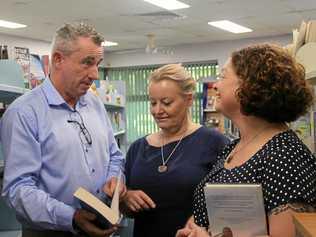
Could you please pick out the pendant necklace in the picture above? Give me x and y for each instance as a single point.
(163, 167)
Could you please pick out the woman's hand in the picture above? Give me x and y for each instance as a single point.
(137, 200)
(192, 230)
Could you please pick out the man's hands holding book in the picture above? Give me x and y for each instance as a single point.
(84, 221)
(101, 220)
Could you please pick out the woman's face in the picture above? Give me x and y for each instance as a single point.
(226, 100)
(168, 104)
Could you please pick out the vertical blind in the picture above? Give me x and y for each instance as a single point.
(139, 119)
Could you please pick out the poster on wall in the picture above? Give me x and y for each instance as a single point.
(22, 57)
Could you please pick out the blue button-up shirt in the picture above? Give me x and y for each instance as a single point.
(47, 157)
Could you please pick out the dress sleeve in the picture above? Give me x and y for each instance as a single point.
(288, 178)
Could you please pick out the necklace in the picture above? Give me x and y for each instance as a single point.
(163, 167)
(235, 151)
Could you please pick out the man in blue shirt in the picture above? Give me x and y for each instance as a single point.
(58, 137)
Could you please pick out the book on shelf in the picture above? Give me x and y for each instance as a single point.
(235, 209)
(107, 213)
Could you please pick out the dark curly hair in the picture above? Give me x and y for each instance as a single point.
(272, 84)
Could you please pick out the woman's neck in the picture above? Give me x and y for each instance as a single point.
(175, 132)
(249, 126)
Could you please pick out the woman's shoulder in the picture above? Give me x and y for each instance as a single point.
(212, 135)
(138, 143)
(289, 146)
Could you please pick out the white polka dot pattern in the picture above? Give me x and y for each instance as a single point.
(284, 167)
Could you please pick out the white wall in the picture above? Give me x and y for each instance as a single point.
(189, 53)
(182, 53)
(36, 46)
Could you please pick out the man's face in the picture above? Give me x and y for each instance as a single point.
(80, 69)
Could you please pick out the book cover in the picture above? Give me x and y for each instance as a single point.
(236, 210)
(107, 215)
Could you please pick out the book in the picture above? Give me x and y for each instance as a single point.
(235, 210)
(104, 212)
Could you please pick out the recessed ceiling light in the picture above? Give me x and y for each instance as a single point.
(11, 25)
(109, 43)
(230, 26)
(168, 4)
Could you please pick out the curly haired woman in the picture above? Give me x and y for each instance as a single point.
(261, 89)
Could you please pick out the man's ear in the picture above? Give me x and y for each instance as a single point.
(57, 59)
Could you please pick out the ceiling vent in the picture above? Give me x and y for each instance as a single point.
(160, 17)
(166, 14)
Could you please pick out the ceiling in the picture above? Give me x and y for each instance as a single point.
(129, 21)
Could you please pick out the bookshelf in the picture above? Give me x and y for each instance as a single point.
(11, 87)
(305, 125)
(211, 117)
(11, 81)
(112, 93)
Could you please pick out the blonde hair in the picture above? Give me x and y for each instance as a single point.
(175, 72)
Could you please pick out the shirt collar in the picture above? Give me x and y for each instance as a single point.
(53, 96)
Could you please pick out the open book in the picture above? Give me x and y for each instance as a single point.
(235, 210)
(111, 214)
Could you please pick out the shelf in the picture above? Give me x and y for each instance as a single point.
(311, 77)
(306, 56)
(113, 106)
(210, 79)
(210, 111)
(118, 133)
(9, 93)
(11, 81)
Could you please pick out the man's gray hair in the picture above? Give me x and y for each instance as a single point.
(66, 36)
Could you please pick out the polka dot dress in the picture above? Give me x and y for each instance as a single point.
(284, 167)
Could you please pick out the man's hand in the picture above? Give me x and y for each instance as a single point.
(110, 186)
(137, 200)
(84, 220)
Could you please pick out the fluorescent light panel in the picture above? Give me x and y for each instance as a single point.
(230, 26)
(168, 4)
(109, 43)
(11, 25)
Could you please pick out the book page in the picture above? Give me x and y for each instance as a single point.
(112, 214)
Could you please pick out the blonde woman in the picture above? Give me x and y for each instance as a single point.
(163, 168)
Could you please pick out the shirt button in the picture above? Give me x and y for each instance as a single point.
(93, 170)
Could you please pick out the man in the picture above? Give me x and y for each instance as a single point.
(57, 138)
